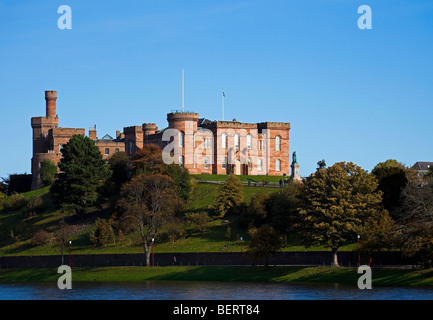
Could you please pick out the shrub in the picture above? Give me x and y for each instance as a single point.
(199, 220)
(48, 172)
(34, 206)
(16, 202)
(102, 233)
(40, 238)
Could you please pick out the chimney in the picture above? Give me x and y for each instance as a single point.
(92, 133)
(117, 134)
(50, 98)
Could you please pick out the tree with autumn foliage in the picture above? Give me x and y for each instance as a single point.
(148, 202)
(335, 203)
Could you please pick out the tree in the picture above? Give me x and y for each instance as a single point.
(321, 164)
(415, 220)
(148, 160)
(230, 195)
(83, 172)
(335, 202)
(119, 165)
(379, 234)
(392, 178)
(282, 207)
(264, 242)
(48, 172)
(182, 180)
(148, 202)
(62, 236)
(254, 215)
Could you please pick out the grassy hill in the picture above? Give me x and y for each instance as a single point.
(213, 239)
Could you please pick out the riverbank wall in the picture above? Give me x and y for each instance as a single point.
(300, 258)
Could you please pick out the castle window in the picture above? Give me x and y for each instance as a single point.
(236, 141)
(116, 150)
(278, 165)
(224, 164)
(259, 164)
(224, 141)
(60, 148)
(250, 164)
(193, 138)
(181, 161)
(130, 147)
(107, 151)
(260, 144)
(278, 143)
(249, 142)
(206, 163)
(182, 139)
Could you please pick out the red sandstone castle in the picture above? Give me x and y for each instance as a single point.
(200, 145)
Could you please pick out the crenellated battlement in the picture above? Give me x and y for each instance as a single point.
(132, 129)
(67, 131)
(182, 116)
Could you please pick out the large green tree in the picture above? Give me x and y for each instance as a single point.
(391, 176)
(83, 172)
(335, 203)
(230, 195)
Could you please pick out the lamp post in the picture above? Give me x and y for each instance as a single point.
(153, 252)
(242, 255)
(359, 255)
(70, 257)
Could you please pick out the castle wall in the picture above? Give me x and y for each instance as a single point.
(199, 143)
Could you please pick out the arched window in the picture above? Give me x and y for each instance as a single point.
(249, 142)
(224, 141)
(224, 163)
(278, 165)
(182, 139)
(181, 161)
(277, 143)
(236, 141)
(250, 164)
(259, 164)
(206, 163)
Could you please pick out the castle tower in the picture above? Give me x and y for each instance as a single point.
(41, 126)
(50, 100)
(186, 124)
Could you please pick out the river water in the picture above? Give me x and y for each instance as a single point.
(168, 290)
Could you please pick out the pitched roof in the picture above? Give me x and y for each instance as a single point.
(420, 165)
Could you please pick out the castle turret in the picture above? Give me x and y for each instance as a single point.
(50, 98)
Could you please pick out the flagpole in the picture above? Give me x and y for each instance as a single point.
(223, 104)
(183, 91)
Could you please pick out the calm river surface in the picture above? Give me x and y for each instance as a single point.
(167, 290)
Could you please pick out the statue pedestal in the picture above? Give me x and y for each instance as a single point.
(295, 172)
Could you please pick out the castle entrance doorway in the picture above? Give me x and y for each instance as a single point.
(237, 167)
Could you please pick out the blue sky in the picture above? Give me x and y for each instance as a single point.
(350, 95)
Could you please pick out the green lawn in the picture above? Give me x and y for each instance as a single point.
(213, 239)
(349, 276)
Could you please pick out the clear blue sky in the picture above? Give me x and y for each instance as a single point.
(350, 95)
